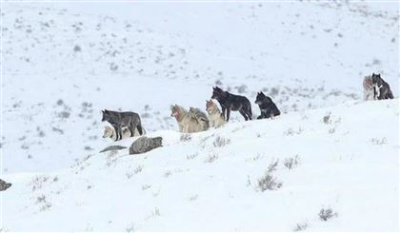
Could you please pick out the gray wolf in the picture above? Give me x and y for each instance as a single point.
(214, 114)
(4, 185)
(267, 106)
(230, 102)
(382, 88)
(145, 144)
(201, 118)
(119, 120)
(187, 122)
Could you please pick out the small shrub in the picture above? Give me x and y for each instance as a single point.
(268, 182)
(327, 118)
(185, 137)
(138, 169)
(192, 156)
(377, 141)
(272, 166)
(211, 158)
(325, 214)
(301, 227)
(221, 142)
(291, 162)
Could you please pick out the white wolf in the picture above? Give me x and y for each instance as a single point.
(109, 132)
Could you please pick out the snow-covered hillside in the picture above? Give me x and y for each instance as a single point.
(339, 159)
(63, 63)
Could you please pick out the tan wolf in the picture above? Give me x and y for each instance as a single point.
(187, 122)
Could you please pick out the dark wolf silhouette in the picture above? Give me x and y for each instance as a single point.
(382, 89)
(119, 120)
(4, 185)
(230, 102)
(267, 106)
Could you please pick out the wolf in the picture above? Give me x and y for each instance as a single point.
(230, 102)
(382, 88)
(201, 117)
(214, 114)
(4, 185)
(118, 120)
(109, 132)
(267, 106)
(145, 144)
(369, 88)
(186, 121)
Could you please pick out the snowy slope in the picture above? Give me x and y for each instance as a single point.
(345, 162)
(63, 63)
(145, 57)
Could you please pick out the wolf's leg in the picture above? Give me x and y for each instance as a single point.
(116, 128)
(223, 111)
(249, 113)
(228, 114)
(243, 113)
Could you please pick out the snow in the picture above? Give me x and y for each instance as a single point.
(64, 63)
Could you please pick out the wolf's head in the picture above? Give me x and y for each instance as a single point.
(176, 112)
(217, 93)
(209, 105)
(158, 141)
(106, 115)
(376, 78)
(261, 98)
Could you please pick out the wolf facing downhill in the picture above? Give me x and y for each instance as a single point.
(230, 102)
(201, 118)
(382, 88)
(145, 144)
(214, 114)
(119, 120)
(267, 106)
(187, 122)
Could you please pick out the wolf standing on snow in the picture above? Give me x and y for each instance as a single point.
(119, 120)
(230, 102)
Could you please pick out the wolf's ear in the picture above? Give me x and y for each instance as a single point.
(379, 75)
(262, 93)
(102, 111)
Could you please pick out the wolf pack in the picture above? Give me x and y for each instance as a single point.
(129, 124)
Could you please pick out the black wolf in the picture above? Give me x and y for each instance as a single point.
(382, 88)
(267, 106)
(230, 102)
(119, 120)
(4, 185)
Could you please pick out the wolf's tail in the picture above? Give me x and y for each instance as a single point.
(140, 129)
